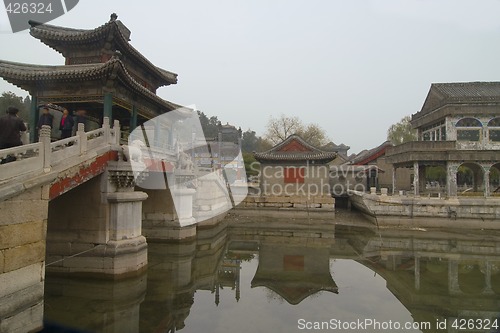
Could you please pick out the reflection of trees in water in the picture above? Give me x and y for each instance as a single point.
(470, 278)
(240, 256)
(495, 281)
(434, 275)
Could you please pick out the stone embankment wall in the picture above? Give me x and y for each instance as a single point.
(430, 212)
(23, 226)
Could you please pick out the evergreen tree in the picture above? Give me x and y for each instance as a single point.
(401, 132)
(8, 98)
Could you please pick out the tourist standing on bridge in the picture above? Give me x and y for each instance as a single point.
(46, 118)
(66, 125)
(11, 127)
(81, 118)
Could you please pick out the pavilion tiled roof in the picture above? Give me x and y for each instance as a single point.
(59, 38)
(26, 75)
(295, 149)
(441, 94)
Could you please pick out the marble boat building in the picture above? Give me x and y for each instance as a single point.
(455, 162)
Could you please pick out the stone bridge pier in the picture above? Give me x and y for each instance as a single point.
(66, 207)
(96, 228)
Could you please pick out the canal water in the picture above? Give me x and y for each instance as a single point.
(343, 275)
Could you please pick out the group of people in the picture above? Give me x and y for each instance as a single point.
(65, 125)
(11, 126)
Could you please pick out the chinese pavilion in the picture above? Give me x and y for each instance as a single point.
(294, 168)
(103, 74)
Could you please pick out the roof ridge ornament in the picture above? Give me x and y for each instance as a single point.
(113, 17)
(117, 54)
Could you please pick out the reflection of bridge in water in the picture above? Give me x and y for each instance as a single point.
(435, 275)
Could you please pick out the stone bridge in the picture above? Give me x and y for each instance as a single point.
(71, 206)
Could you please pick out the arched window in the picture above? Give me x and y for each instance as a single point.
(494, 129)
(469, 129)
(469, 122)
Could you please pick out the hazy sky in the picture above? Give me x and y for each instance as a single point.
(353, 67)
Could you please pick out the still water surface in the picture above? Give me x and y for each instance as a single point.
(338, 276)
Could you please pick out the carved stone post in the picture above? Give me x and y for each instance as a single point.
(117, 132)
(106, 128)
(127, 247)
(45, 140)
(82, 138)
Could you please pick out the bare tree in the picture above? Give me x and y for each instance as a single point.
(278, 129)
(401, 132)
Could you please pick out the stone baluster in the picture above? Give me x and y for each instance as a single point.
(106, 129)
(116, 128)
(82, 138)
(46, 149)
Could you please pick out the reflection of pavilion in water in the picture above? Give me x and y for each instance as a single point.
(435, 275)
(294, 273)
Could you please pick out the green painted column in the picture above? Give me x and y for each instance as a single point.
(33, 119)
(108, 106)
(133, 119)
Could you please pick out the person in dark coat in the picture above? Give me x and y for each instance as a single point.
(11, 127)
(66, 125)
(46, 118)
(81, 118)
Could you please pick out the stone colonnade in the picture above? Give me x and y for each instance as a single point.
(451, 176)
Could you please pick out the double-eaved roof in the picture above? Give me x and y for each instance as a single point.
(28, 75)
(295, 149)
(67, 40)
(441, 94)
(99, 60)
